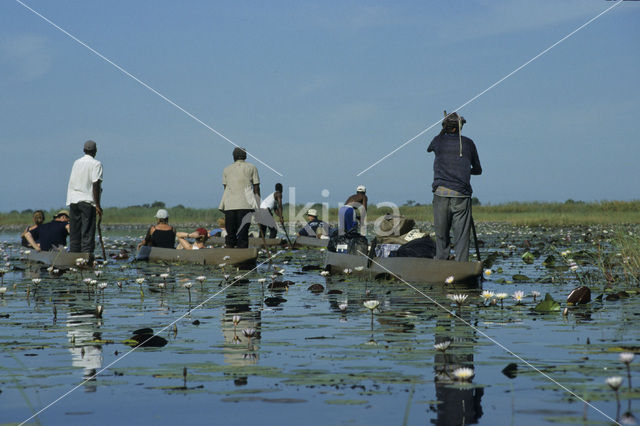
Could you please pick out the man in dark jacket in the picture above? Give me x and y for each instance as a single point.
(456, 160)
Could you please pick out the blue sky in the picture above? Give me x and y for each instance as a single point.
(319, 91)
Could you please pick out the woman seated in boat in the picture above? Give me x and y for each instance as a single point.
(38, 219)
(161, 234)
(200, 235)
(52, 235)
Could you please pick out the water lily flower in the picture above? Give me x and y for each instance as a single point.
(535, 294)
(442, 346)
(102, 286)
(501, 297)
(359, 268)
(343, 306)
(614, 382)
(27, 252)
(226, 277)
(87, 281)
(565, 253)
(487, 272)
(36, 281)
(458, 298)
(3, 290)
(487, 294)
(262, 280)
(518, 295)
(201, 279)
(119, 284)
(222, 265)
(161, 285)
(80, 261)
(236, 320)
(98, 273)
(371, 304)
(347, 271)
(249, 332)
(463, 374)
(627, 357)
(140, 280)
(188, 285)
(325, 273)
(164, 276)
(449, 279)
(93, 282)
(226, 258)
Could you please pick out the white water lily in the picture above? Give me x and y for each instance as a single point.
(249, 332)
(188, 285)
(87, 281)
(3, 290)
(486, 294)
(359, 268)
(449, 279)
(98, 273)
(36, 281)
(93, 282)
(371, 304)
(140, 280)
(102, 286)
(487, 272)
(226, 258)
(518, 295)
(535, 294)
(27, 252)
(442, 346)
(119, 284)
(463, 374)
(347, 271)
(262, 280)
(565, 253)
(226, 277)
(236, 319)
(501, 295)
(222, 265)
(201, 278)
(614, 382)
(325, 273)
(80, 261)
(343, 306)
(161, 285)
(164, 276)
(458, 298)
(627, 357)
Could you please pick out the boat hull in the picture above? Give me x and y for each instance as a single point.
(311, 242)
(253, 242)
(410, 269)
(210, 256)
(56, 258)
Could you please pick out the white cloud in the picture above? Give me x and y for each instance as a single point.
(28, 55)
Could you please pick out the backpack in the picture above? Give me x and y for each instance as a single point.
(420, 247)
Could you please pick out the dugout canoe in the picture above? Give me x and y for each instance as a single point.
(56, 258)
(253, 242)
(208, 256)
(410, 269)
(302, 241)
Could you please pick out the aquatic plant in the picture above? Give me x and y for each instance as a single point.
(501, 297)
(442, 346)
(343, 306)
(371, 305)
(359, 268)
(347, 271)
(518, 296)
(614, 383)
(486, 295)
(463, 374)
(188, 285)
(535, 294)
(236, 320)
(627, 358)
(3, 290)
(449, 279)
(458, 299)
(140, 281)
(325, 273)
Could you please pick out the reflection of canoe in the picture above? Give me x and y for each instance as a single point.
(410, 269)
(310, 242)
(253, 242)
(211, 256)
(56, 258)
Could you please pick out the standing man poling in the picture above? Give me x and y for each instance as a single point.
(456, 160)
(241, 192)
(272, 204)
(83, 197)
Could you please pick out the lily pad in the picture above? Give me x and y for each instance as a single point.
(528, 257)
(547, 305)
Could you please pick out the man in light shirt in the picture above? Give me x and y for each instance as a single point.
(83, 198)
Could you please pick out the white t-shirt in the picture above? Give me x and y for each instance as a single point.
(85, 172)
(269, 202)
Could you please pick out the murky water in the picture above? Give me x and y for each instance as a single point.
(309, 361)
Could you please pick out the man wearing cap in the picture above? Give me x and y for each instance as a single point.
(314, 227)
(52, 234)
(83, 197)
(456, 160)
(161, 234)
(241, 191)
(359, 202)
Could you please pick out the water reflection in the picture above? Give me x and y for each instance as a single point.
(240, 348)
(81, 332)
(459, 403)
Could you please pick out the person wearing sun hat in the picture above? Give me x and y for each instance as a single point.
(83, 198)
(52, 234)
(200, 235)
(314, 227)
(161, 234)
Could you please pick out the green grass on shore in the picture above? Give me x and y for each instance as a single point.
(516, 213)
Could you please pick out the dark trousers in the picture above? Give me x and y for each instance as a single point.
(452, 214)
(272, 231)
(237, 229)
(82, 224)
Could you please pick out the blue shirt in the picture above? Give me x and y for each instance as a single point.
(450, 169)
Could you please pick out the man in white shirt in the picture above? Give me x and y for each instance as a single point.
(83, 198)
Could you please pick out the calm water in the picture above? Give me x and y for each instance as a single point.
(313, 363)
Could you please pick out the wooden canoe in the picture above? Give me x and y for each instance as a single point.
(311, 242)
(410, 269)
(56, 258)
(253, 242)
(209, 256)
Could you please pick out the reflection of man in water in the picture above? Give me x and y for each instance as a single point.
(457, 405)
(238, 349)
(81, 326)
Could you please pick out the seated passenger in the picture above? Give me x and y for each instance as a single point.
(314, 227)
(38, 219)
(219, 231)
(160, 235)
(201, 236)
(53, 235)
(347, 239)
